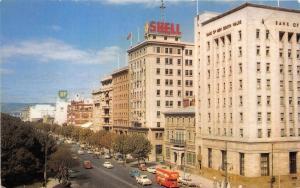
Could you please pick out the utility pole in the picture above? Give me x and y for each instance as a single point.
(45, 165)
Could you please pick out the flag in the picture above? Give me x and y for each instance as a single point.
(129, 36)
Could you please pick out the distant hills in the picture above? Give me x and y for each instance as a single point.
(16, 108)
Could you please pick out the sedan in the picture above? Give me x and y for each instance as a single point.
(107, 165)
(151, 169)
(144, 180)
(80, 152)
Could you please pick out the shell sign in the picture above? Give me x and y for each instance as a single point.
(162, 28)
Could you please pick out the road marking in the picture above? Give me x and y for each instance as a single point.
(115, 177)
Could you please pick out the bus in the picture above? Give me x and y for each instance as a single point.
(167, 178)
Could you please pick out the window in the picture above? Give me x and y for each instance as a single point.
(267, 34)
(289, 53)
(158, 103)
(268, 84)
(267, 67)
(158, 114)
(158, 92)
(166, 50)
(241, 117)
(165, 38)
(240, 67)
(179, 103)
(281, 69)
(258, 67)
(242, 164)
(282, 132)
(280, 52)
(241, 84)
(157, 81)
(264, 164)
(259, 133)
(208, 45)
(290, 68)
(281, 84)
(259, 100)
(282, 101)
(293, 162)
(158, 60)
(269, 133)
(209, 157)
(291, 101)
(298, 54)
(257, 50)
(241, 100)
(240, 35)
(290, 85)
(258, 116)
(178, 72)
(282, 117)
(268, 100)
(157, 124)
(241, 133)
(179, 82)
(158, 71)
(257, 33)
(291, 117)
(268, 116)
(178, 51)
(240, 51)
(268, 51)
(178, 61)
(224, 159)
(157, 49)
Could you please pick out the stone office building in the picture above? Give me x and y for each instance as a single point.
(161, 79)
(248, 100)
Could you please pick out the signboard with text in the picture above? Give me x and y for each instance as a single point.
(162, 28)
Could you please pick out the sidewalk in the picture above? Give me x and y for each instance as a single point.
(199, 180)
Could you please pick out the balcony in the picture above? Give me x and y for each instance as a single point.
(178, 142)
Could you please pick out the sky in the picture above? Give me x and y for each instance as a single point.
(49, 45)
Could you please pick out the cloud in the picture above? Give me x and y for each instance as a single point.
(51, 50)
(4, 71)
(55, 28)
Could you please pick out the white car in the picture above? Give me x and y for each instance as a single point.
(151, 169)
(106, 156)
(89, 152)
(107, 165)
(144, 180)
(80, 152)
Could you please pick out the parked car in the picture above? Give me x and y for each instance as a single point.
(107, 165)
(151, 169)
(134, 173)
(80, 152)
(107, 156)
(186, 181)
(120, 160)
(144, 180)
(89, 152)
(87, 164)
(142, 167)
(73, 173)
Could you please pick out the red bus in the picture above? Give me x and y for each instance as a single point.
(167, 178)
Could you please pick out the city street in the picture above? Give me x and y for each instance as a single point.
(99, 176)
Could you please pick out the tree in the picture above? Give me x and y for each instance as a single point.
(61, 161)
(140, 146)
(107, 140)
(122, 145)
(22, 151)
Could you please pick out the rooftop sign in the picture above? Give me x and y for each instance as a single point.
(163, 28)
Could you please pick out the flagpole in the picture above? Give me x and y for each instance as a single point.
(278, 3)
(197, 7)
(138, 32)
(131, 39)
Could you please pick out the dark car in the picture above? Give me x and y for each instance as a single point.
(134, 173)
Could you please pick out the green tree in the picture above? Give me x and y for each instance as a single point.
(140, 146)
(122, 145)
(22, 151)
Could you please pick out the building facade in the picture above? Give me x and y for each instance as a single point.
(248, 99)
(61, 108)
(161, 79)
(97, 109)
(79, 112)
(180, 137)
(39, 111)
(120, 102)
(106, 106)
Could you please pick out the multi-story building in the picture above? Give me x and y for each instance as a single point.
(161, 78)
(179, 139)
(39, 111)
(79, 112)
(248, 99)
(61, 108)
(120, 102)
(97, 109)
(106, 103)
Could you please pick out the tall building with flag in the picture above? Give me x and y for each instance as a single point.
(161, 71)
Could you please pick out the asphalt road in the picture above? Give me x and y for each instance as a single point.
(100, 177)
